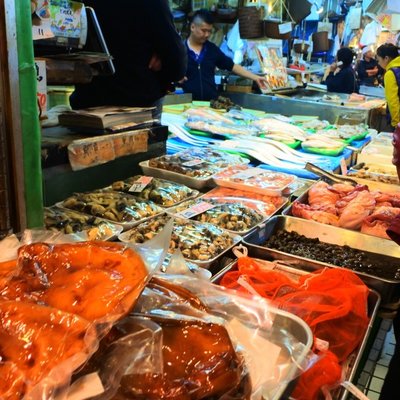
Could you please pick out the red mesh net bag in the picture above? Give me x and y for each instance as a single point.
(333, 302)
(334, 305)
(265, 282)
(326, 372)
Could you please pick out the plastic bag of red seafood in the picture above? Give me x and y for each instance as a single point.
(58, 297)
(204, 342)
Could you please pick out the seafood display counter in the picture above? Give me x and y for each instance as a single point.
(310, 105)
(60, 181)
(207, 198)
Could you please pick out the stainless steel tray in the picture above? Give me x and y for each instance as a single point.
(194, 183)
(383, 187)
(220, 200)
(355, 358)
(387, 288)
(194, 194)
(125, 225)
(123, 237)
(115, 229)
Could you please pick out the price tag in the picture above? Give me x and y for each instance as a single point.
(343, 166)
(42, 31)
(197, 209)
(140, 184)
(193, 163)
(249, 173)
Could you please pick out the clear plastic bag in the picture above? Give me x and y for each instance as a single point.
(210, 343)
(58, 297)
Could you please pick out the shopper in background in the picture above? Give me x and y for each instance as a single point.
(340, 76)
(368, 70)
(388, 58)
(147, 51)
(204, 57)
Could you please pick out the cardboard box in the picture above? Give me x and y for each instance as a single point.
(41, 78)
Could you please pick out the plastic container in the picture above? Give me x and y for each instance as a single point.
(58, 95)
(257, 180)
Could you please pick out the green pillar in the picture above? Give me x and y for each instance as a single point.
(31, 134)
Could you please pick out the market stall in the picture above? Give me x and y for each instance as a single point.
(235, 249)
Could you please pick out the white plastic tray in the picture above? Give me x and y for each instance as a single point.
(227, 182)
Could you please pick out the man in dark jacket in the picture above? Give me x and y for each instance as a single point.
(204, 57)
(340, 76)
(147, 51)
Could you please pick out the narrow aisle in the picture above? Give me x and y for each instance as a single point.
(375, 384)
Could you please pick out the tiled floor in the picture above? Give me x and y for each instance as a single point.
(375, 382)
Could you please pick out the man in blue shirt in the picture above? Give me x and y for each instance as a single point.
(204, 57)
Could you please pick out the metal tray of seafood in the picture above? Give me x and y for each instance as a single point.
(388, 182)
(354, 360)
(389, 289)
(124, 237)
(383, 187)
(194, 183)
(125, 225)
(298, 187)
(101, 229)
(191, 195)
(223, 201)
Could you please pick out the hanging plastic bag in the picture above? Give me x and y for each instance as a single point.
(208, 344)
(353, 19)
(58, 298)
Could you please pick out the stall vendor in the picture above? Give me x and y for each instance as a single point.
(147, 52)
(204, 57)
(368, 70)
(340, 77)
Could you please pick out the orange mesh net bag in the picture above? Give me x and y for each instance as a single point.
(333, 302)
(326, 372)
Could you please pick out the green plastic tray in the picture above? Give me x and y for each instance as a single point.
(324, 152)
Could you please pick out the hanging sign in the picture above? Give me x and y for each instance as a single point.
(66, 18)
